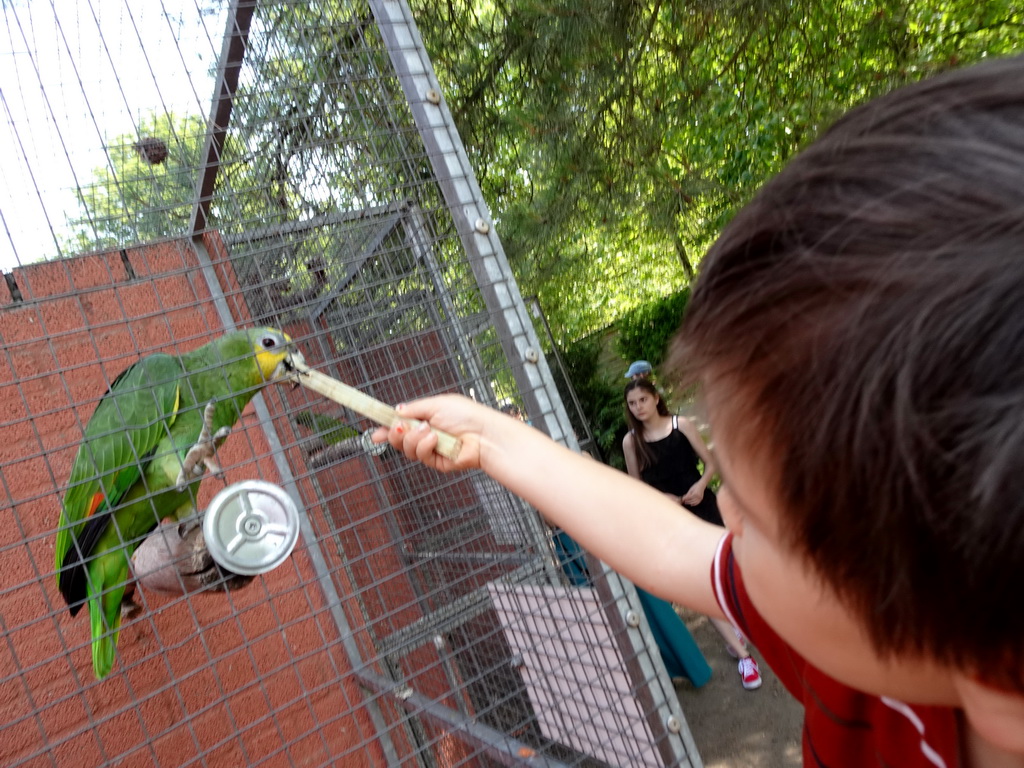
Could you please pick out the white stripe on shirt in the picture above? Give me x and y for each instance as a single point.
(926, 749)
(898, 706)
(716, 582)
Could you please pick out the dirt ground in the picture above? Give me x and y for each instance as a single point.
(735, 728)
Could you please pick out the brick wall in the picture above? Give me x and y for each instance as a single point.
(213, 679)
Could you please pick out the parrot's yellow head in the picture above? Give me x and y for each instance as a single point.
(272, 348)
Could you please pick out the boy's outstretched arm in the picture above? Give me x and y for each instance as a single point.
(632, 527)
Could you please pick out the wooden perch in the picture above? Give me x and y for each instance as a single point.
(323, 454)
(176, 564)
(447, 445)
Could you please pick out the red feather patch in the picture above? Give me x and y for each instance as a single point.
(95, 503)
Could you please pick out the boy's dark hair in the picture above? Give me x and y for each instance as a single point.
(644, 454)
(865, 316)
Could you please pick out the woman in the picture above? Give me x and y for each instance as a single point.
(662, 450)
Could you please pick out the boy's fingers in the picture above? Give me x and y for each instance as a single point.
(397, 437)
(408, 438)
(418, 409)
(426, 442)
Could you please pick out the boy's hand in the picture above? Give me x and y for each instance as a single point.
(457, 415)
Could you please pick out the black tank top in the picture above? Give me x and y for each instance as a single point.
(674, 470)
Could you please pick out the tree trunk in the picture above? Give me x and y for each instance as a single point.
(684, 257)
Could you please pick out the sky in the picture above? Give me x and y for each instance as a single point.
(76, 74)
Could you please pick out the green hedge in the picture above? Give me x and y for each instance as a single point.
(597, 363)
(644, 332)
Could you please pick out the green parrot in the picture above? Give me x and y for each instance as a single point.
(144, 453)
(328, 428)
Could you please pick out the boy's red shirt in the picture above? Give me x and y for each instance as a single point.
(842, 726)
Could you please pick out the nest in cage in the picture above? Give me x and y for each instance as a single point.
(151, 149)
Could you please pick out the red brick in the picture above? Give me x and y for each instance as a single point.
(61, 315)
(309, 750)
(67, 717)
(95, 271)
(249, 705)
(21, 324)
(228, 754)
(37, 643)
(184, 654)
(83, 749)
(171, 257)
(121, 734)
(234, 670)
(15, 710)
(176, 747)
(38, 281)
(212, 726)
(224, 637)
(105, 307)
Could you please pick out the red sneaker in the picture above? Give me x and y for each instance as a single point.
(749, 674)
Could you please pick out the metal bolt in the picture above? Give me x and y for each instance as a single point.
(251, 525)
(482, 226)
(433, 96)
(673, 724)
(632, 618)
(531, 355)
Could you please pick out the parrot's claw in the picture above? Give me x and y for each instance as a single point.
(203, 455)
(189, 524)
(200, 571)
(129, 609)
(175, 560)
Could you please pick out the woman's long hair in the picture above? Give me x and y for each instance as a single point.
(644, 454)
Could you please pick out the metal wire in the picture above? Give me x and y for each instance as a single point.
(178, 170)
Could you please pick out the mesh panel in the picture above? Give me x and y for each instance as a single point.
(175, 173)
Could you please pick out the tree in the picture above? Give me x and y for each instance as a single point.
(138, 197)
(614, 138)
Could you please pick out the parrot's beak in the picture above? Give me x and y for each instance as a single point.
(293, 363)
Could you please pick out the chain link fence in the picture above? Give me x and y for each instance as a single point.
(179, 171)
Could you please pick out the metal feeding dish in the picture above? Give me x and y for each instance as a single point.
(370, 447)
(251, 527)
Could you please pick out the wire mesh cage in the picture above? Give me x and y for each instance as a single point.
(175, 174)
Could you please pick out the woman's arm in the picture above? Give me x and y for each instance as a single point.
(629, 452)
(629, 525)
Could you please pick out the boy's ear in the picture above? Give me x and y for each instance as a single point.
(732, 520)
(996, 715)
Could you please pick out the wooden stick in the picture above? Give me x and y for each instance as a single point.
(350, 397)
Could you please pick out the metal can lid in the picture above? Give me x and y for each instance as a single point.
(251, 527)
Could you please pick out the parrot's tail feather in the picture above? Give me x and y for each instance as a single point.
(104, 643)
(105, 621)
(74, 571)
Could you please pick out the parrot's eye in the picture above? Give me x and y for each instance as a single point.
(268, 342)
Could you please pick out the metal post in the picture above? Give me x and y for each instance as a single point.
(231, 57)
(316, 557)
(517, 335)
(472, 219)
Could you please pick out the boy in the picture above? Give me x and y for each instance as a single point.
(858, 334)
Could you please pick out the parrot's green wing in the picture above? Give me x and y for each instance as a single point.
(126, 426)
(328, 428)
